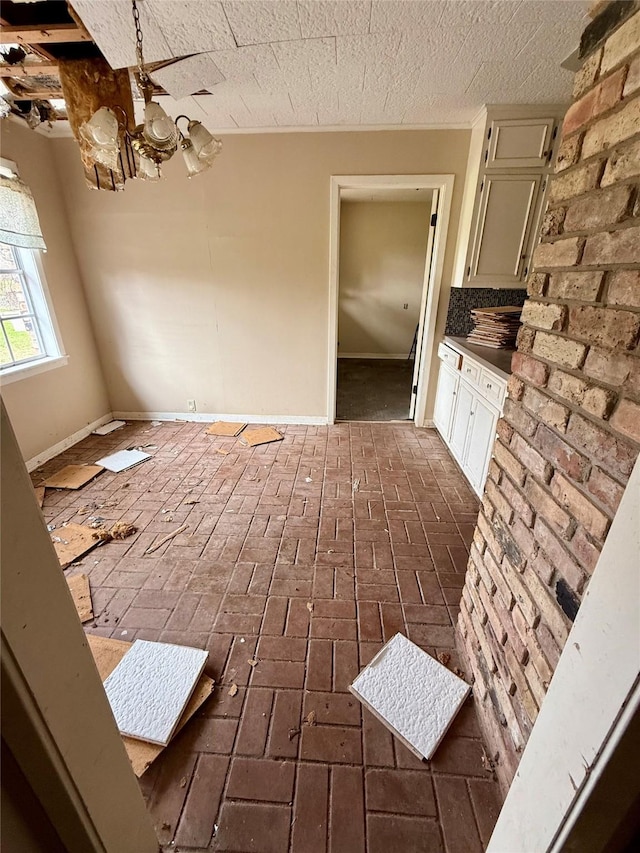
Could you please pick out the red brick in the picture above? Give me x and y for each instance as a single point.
(462, 756)
(560, 253)
(400, 792)
(456, 814)
(341, 709)
(606, 207)
(546, 506)
(378, 743)
(201, 808)
(563, 562)
(275, 615)
(597, 100)
(277, 673)
(319, 666)
(285, 721)
(261, 779)
(604, 326)
(595, 521)
(615, 456)
(167, 799)
(585, 551)
(626, 419)
(606, 490)
(612, 247)
(282, 648)
(346, 811)
(309, 831)
(253, 828)
(613, 129)
(560, 454)
(531, 369)
(530, 458)
(345, 665)
(297, 618)
(486, 801)
(624, 287)
(391, 834)
(252, 735)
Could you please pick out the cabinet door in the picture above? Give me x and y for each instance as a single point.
(461, 418)
(506, 215)
(482, 432)
(445, 398)
(519, 143)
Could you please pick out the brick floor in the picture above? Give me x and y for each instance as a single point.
(305, 555)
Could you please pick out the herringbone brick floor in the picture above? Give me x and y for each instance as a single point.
(305, 555)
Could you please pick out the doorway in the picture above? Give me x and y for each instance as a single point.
(387, 247)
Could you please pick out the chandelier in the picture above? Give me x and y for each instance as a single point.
(155, 140)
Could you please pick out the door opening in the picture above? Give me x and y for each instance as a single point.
(387, 241)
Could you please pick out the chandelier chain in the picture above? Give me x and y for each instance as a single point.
(139, 56)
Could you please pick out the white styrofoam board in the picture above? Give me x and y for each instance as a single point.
(189, 75)
(122, 460)
(110, 427)
(412, 693)
(150, 687)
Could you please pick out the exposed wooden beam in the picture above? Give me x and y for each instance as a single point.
(31, 69)
(54, 34)
(39, 95)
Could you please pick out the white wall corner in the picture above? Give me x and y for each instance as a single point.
(66, 443)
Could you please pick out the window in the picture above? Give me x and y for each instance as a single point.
(27, 329)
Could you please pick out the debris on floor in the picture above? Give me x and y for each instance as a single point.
(72, 541)
(150, 687)
(40, 490)
(105, 429)
(262, 435)
(225, 428)
(73, 476)
(81, 594)
(233, 690)
(165, 539)
(411, 693)
(123, 460)
(120, 530)
(107, 654)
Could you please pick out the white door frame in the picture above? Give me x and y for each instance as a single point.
(444, 185)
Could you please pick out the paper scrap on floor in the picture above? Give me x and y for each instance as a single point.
(71, 541)
(150, 688)
(107, 654)
(123, 459)
(105, 429)
(263, 435)
(81, 594)
(411, 693)
(73, 476)
(225, 428)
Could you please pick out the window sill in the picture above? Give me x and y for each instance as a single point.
(13, 374)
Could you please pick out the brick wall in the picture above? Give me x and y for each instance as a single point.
(571, 427)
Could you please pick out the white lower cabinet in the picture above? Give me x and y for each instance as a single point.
(466, 419)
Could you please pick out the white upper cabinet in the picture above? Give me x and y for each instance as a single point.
(504, 228)
(519, 143)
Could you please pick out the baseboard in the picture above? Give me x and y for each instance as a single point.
(385, 355)
(50, 452)
(202, 417)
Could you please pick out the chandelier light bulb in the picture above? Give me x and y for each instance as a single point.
(194, 164)
(205, 145)
(159, 130)
(147, 169)
(100, 133)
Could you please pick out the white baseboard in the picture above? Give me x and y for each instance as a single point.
(203, 417)
(397, 355)
(50, 452)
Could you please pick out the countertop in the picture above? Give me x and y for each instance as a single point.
(498, 360)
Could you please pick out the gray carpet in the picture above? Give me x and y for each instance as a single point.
(373, 389)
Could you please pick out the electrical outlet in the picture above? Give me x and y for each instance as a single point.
(191, 405)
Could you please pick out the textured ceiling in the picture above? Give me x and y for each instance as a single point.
(281, 63)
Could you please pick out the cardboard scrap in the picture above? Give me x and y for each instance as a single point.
(105, 429)
(81, 594)
(72, 541)
(107, 654)
(123, 460)
(225, 428)
(40, 490)
(73, 476)
(262, 435)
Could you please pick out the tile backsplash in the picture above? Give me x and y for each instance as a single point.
(463, 299)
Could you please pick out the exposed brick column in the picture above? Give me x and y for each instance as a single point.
(571, 427)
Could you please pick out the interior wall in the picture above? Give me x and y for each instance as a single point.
(382, 258)
(49, 407)
(216, 289)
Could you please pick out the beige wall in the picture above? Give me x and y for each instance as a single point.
(217, 288)
(382, 258)
(47, 408)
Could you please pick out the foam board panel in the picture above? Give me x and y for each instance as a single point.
(150, 687)
(413, 694)
(123, 459)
